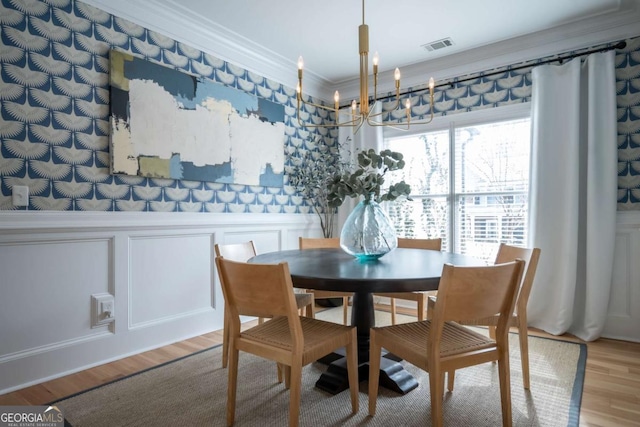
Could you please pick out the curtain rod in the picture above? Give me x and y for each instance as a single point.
(560, 59)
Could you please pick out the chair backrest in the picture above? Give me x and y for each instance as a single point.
(508, 253)
(264, 290)
(236, 251)
(240, 252)
(433, 244)
(467, 293)
(318, 243)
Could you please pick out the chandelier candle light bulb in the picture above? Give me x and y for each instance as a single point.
(364, 114)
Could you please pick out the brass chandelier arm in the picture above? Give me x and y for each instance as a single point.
(355, 121)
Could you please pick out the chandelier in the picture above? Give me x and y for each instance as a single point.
(363, 113)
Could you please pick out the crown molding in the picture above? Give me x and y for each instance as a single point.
(173, 19)
(614, 26)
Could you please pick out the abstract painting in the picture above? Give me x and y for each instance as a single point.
(166, 123)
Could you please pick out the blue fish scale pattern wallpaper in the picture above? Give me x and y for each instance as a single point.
(54, 114)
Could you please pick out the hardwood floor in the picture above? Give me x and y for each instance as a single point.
(611, 395)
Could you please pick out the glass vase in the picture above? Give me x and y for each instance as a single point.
(368, 232)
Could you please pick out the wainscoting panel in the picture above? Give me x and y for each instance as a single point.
(623, 314)
(170, 276)
(158, 266)
(621, 291)
(44, 304)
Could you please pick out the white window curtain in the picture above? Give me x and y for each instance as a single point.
(365, 138)
(573, 194)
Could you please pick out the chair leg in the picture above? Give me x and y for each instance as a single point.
(260, 320)
(505, 388)
(375, 352)
(436, 387)
(392, 303)
(421, 307)
(429, 309)
(294, 393)
(232, 386)
(309, 311)
(352, 371)
(492, 332)
(345, 310)
(524, 351)
(225, 340)
(451, 377)
(280, 374)
(287, 376)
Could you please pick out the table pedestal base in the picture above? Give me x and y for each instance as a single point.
(392, 376)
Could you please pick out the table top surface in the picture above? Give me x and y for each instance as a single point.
(401, 270)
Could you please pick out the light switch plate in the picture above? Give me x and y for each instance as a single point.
(20, 195)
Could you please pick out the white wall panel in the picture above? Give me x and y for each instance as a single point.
(44, 302)
(623, 314)
(620, 298)
(159, 267)
(171, 275)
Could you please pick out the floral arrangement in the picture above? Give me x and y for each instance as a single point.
(368, 179)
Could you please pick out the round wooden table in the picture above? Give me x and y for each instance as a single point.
(401, 270)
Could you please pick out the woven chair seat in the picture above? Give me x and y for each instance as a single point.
(455, 339)
(318, 335)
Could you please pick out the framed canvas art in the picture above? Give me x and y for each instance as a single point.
(166, 123)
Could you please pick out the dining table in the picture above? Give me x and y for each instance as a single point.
(332, 269)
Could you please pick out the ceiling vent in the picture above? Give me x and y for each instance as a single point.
(438, 44)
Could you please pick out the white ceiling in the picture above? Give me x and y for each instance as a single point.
(268, 36)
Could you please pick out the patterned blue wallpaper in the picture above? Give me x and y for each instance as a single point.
(628, 97)
(54, 97)
(54, 112)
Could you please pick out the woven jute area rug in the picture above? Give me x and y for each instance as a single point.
(192, 392)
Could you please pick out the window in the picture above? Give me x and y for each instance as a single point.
(469, 183)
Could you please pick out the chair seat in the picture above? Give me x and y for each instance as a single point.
(455, 339)
(318, 336)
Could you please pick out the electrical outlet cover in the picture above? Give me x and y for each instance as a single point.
(102, 309)
(20, 195)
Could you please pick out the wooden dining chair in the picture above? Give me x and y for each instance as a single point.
(420, 297)
(321, 243)
(439, 345)
(242, 252)
(266, 290)
(508, 253)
